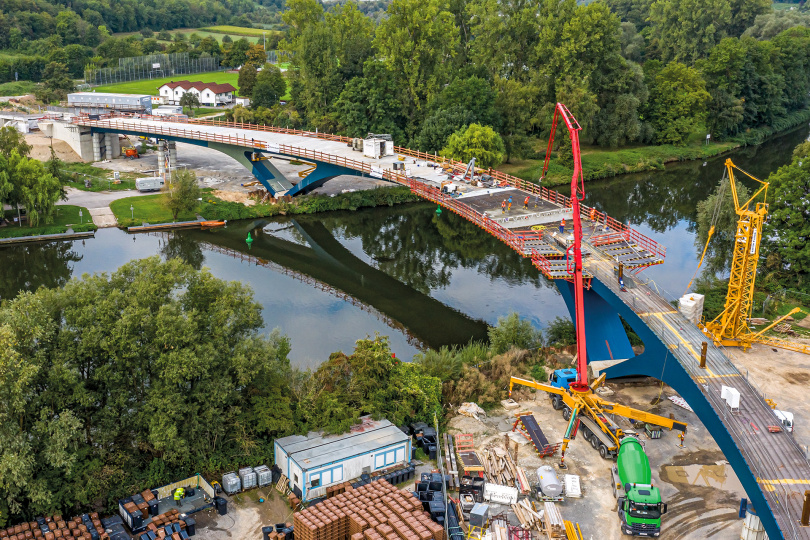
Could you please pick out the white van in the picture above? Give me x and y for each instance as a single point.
(786, 418)
(150, 183)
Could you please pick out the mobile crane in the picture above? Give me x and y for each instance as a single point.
(579, 401)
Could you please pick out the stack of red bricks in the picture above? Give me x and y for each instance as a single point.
(375, 511)
(55, 528)
(166, 518)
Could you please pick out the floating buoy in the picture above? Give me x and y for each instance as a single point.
(249, 238)
(438, 209)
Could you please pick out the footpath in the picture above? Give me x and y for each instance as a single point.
(98, 203)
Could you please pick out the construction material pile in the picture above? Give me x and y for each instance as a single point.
(86, 527)
(375, 511)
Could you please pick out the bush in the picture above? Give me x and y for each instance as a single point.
(538, 372)
(561, 333)
(510, 332)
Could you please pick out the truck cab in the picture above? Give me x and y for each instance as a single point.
(640, 510)
(561, 378)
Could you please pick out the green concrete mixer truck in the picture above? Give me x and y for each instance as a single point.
(640, 506)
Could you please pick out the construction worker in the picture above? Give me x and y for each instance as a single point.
(509, 207)
(680, 438)
(562, 225)
(503, 207)
(179, 493)
(593, 214)
(526, 203)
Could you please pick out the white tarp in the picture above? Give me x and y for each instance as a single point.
(731, 396)
(377, 172)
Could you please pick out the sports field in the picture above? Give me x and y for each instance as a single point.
(150, 86)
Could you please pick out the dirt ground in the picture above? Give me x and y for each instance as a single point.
(246, 516)
(41, 148)
(702, 492)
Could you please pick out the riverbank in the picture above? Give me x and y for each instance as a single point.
(133, 211)
(599, 163)
(67, 217)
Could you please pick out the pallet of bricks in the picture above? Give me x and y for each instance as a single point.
(375, 511)
(165, 525)
(87, 527)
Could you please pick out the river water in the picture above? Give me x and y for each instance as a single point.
(420, 278)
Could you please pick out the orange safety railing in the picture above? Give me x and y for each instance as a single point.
(118, 121)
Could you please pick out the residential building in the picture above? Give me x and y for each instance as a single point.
(208, 94)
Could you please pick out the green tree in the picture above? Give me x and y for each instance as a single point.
(182, 193)
(515, 105)
(369, 104)
(236, 54)
(190, 100)
(247, 79)
(506, 34)
(353, 36)
(227, 41)
(56, 83)
(417, 41)
(512, 331)
(769, 25)
(164, 35)
(479, 142)
(209, 45)
(317, 82)
(686, 30)
(256, 55)
(678, 99)
(25, 182)
(269, 88)
(11, 140)
(787, 233)
(438, 127)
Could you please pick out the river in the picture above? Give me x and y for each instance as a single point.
(420, 278)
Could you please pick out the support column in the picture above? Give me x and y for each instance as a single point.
(96, 146)
(172, 156)
(108, 147)
(161, 156)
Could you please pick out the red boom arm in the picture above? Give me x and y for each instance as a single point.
(574, 267)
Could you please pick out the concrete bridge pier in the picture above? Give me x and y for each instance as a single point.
(97, 146)
(172, 156)
(108, 149)
(161, 157)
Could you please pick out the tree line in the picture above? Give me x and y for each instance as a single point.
(632, 71)
(128, 380)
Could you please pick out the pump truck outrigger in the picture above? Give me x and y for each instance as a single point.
(581, 406)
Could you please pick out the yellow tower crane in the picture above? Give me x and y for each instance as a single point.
(730, 328)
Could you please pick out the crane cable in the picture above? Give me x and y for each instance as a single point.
(715, 217)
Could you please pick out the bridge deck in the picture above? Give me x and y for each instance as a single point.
(780, 467)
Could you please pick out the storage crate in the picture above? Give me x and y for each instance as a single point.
(231, 483)
(248, 477)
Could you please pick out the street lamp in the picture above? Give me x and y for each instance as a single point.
(132, 211)
(81, 221)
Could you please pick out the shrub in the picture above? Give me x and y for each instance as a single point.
(510, 332)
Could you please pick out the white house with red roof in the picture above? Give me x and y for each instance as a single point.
(211, 94)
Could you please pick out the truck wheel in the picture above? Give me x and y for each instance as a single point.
(567, 413)
(586, 434)
(595, 442)
(557, 403)
(603, 451)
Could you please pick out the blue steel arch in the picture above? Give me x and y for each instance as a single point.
(263, 170)
(602, 309)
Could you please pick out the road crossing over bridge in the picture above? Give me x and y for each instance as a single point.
(771, 467)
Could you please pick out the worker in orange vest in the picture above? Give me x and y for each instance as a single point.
(593, 214)
(503, 207)
(526, 203)
(562, 225)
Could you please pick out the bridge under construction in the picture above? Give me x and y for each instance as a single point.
(771, 466)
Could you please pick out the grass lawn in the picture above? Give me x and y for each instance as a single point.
(598, 162)
(784, 6)
(207, 111)
(17, 88)
(146, 209)
(66, 216)
(100, 179)
(150, 86)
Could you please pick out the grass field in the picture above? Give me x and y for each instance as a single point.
(784, 6)
(66, 216)
(146, 209)
(17, 88)
(150, 86)
(237, 30)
